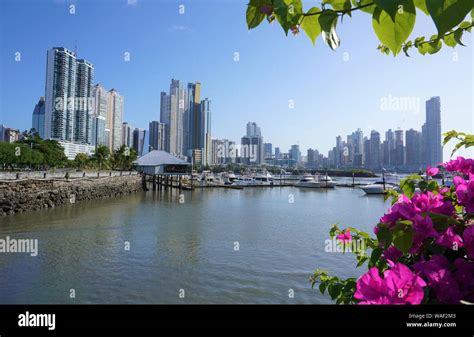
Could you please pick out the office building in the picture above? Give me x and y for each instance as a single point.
(157, 136)
(432, 133)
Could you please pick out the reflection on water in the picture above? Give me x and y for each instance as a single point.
(186, 246)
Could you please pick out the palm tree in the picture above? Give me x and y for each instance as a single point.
(101, 155)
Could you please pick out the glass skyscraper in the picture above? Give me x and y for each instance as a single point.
(68, 100)
(433, 151)
(39, 117)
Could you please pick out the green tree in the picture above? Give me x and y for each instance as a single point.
(123, 158)
(392, 20)
(101, 155)
(81, 160)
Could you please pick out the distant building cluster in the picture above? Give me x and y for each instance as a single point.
(82, 115)
(404, 151)
(184, 129)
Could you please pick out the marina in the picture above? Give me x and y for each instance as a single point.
(219, 245)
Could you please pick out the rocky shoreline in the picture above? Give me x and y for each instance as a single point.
(35, 194)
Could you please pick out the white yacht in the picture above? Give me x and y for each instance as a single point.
(308, 181)
(376, 188)
(244, 181)
(265, 179)
(325, 181)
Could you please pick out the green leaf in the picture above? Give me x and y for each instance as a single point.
(334, 289)
(368, 9)
(339, 5)
(391, 6)
(384, 235)
(311, 25)
(408, 187)
(430, 47)
(288, 13)
(322, 287)
(449, 40)
(421, 4)
(432, 186)
(254, 16)
(466, 25)
(447, 14)
(328, 21)
(403, 239)
(374, 258)
(394, 32)
(458, 36)
(419, 40)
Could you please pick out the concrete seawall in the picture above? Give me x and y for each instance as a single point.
(36, 194)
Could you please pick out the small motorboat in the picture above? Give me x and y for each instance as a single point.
(377, 188)
(325, 181)
(308, 181)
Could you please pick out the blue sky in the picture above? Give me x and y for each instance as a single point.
(332, 94)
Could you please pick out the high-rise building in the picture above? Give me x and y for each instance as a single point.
(114, 119)
(295, 153)
(68, 115)
(194, 116)
(252, 145)
(277, 153)
(172, 114)
(39, 118)
(83, 103)
(253, 129)
(432, 133)
(206, 130)
(413, 149)
(373, 151)
(139, 141)
(2, 132)
(61, 67)
(157, 136)
(127, 135)
(179, 94)
(268, 150)
(11, 135)
(311, 158)
(100, 96)
(218, 152)
(399, 149)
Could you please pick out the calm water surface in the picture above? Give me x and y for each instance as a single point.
(186, 246)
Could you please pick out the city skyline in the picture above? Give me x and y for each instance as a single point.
(312, 109)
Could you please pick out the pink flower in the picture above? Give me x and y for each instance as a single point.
(460, 164)
(392, 254)
(468, 237)
(345, 237)
(434, 203)
(407, 286)
(403, 209)
(464, 275)
(371, 288)
(444, 190)
(399, 285)
(450, 239)
(436, 272)
(423, 229)
(465, 192)
(431, 171)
